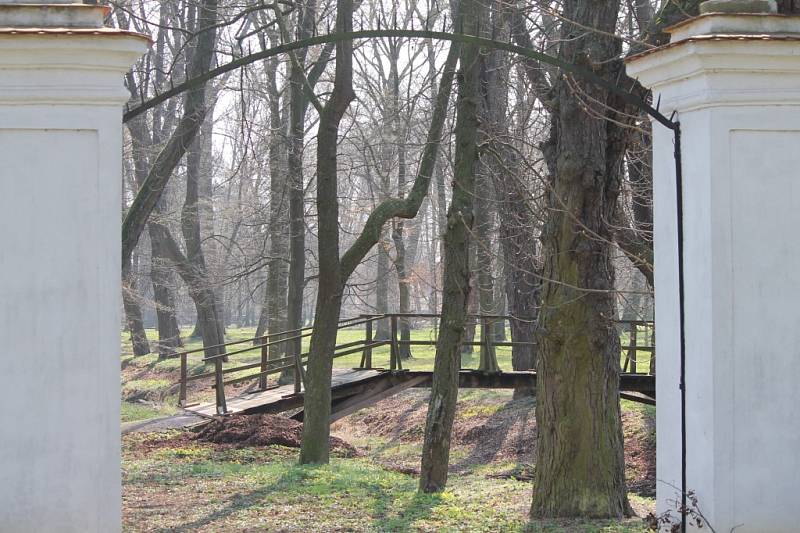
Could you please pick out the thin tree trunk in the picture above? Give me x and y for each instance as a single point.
(163, 279)
(278, 266)
(210, 319)
(403, 281)
(317, 399)
(472, 307)
(315, 447)
(200, 290)
(483, 266)
(382, 287)
(133, 312)
(444, 389)
(297, 227)
(153, 186)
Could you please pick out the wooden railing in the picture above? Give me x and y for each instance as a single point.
(297, 361)
(634, 347)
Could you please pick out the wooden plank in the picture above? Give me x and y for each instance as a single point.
(639, 398)
(279, 399)
(471, 379)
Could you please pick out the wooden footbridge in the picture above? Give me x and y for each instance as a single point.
(355, 388)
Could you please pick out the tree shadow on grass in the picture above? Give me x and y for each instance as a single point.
(495, 432)
(396, 434)
(242, 501)
(419, 508)
(381, 498)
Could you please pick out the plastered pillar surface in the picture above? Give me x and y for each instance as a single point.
(61, 94)
(734, 82)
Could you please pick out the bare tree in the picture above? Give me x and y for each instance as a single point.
(460, 218)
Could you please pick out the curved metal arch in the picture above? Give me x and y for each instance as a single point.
(572, 68)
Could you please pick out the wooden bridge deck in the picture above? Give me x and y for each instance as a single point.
(354, 389)
(283, 398)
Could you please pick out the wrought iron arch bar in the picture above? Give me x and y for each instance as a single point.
(565, 66)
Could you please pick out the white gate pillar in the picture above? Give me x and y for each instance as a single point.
(734, 82)
(61, 93)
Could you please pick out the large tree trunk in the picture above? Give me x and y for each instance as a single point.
(317, 400)
(580, 465)
(444, 389)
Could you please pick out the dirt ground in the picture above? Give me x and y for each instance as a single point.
(234, 473)
(496, 429)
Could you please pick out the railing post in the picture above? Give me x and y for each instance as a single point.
(366, 359)
(652, 369)
(184, 375)
(299, 376)
(262, 379)
(632, 346)
(222, 407)
(487, 333)
(394, 349)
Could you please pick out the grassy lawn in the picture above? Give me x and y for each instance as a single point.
(199, 488)
(172, 482)
(175, 483)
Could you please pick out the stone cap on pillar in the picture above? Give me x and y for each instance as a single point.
(60, 52)
(735, 52)
(52, 14)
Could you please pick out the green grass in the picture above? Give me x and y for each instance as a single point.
(136, 412)
(265, 488)
(199, 488)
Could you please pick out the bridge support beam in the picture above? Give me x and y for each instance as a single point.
(61, 94)
(734, 82)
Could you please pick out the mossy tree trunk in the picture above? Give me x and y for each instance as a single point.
(580, 465)
(460, 218)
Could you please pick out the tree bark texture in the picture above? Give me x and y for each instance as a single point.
(580, 465)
